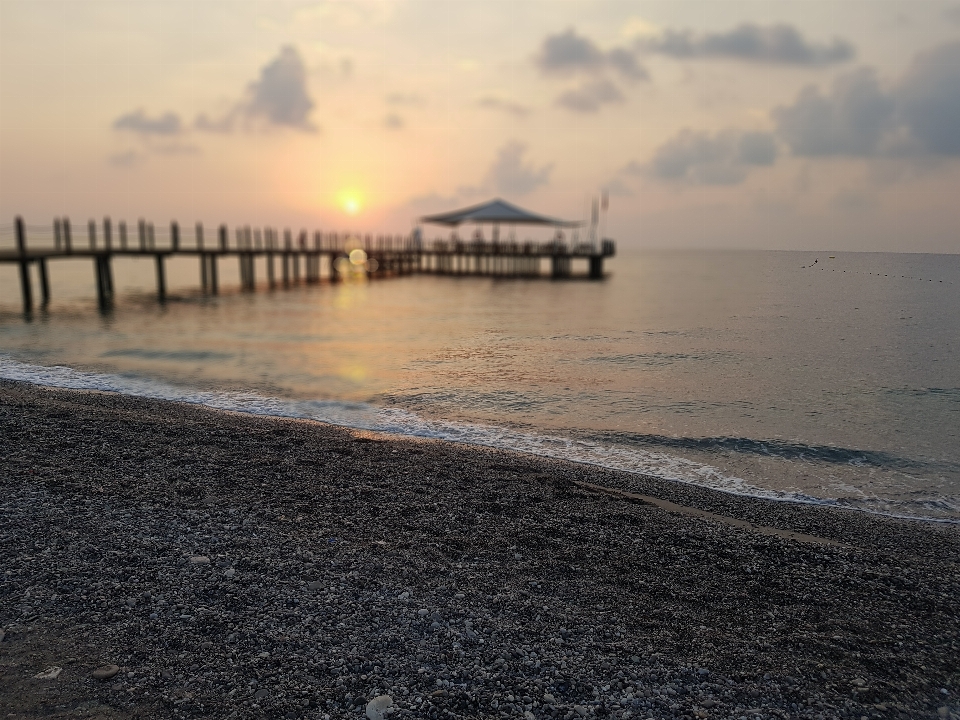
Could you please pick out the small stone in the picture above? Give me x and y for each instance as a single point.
(105, 672)
(459, 596)
(580, 710)
(548, 699)
(527, 715)
(51, 673)
(261, 694)
(377, 708)
(859, 682)
(314, 585)
(229, 572)
(131, 602)
(422, 612)
(404, 595)
(200, 560)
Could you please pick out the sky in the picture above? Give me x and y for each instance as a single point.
(807, 125)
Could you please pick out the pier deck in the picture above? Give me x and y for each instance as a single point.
(323, 256)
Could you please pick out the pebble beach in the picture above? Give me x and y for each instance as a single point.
(163, 560)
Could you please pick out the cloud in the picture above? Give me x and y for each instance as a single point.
(928, 99)
(702, 159)
(279, 97)
(139, 122)
(627, 64)
(510, 176)
(494, 103)
(852, 119)
(393, 122)
(774, 44)
(590, 96)
(567, 54)
(915, 116)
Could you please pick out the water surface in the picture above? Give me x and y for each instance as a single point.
(756, 372)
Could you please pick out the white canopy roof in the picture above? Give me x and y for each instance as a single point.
(495, 211)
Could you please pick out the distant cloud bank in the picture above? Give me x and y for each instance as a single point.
(859, 116)
(775, 44)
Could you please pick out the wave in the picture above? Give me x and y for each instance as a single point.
(626, 455)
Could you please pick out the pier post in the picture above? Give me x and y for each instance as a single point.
(223, 238)
(204, 281)
(213, 273)
(57, 233)
(26, 290)
(596, 267)
(296, 268)
(107, 234)
(101, 284)
(142, 231)
(174, 236)
(151, 237)
(67, 240)
(123, 234)
(199, 236)
(286, 269)
(92, 234)
(271, 280)
(161, 279)
(44, 282)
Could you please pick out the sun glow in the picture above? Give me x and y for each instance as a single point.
(350, 201)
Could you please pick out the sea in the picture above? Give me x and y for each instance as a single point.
(809, 377)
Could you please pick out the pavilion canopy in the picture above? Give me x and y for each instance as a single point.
(496, 211)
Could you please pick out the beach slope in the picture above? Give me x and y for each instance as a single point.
(238, 566)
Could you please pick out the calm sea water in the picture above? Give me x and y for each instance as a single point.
(753, 372)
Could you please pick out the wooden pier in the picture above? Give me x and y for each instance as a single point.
(321, 256)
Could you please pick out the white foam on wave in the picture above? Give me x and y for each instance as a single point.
(363, 416)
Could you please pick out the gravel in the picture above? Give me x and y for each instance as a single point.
(241, 567)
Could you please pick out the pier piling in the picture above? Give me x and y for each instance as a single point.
(161, 280)
(26, 291)
(44, 281)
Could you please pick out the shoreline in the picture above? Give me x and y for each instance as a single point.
(366, 419)
(547, 587)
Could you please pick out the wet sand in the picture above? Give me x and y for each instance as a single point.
(236, 566)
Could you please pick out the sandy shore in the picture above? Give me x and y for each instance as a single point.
(233, 566)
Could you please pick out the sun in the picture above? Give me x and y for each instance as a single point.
(350, 201)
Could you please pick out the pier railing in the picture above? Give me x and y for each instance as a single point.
(325, 255)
